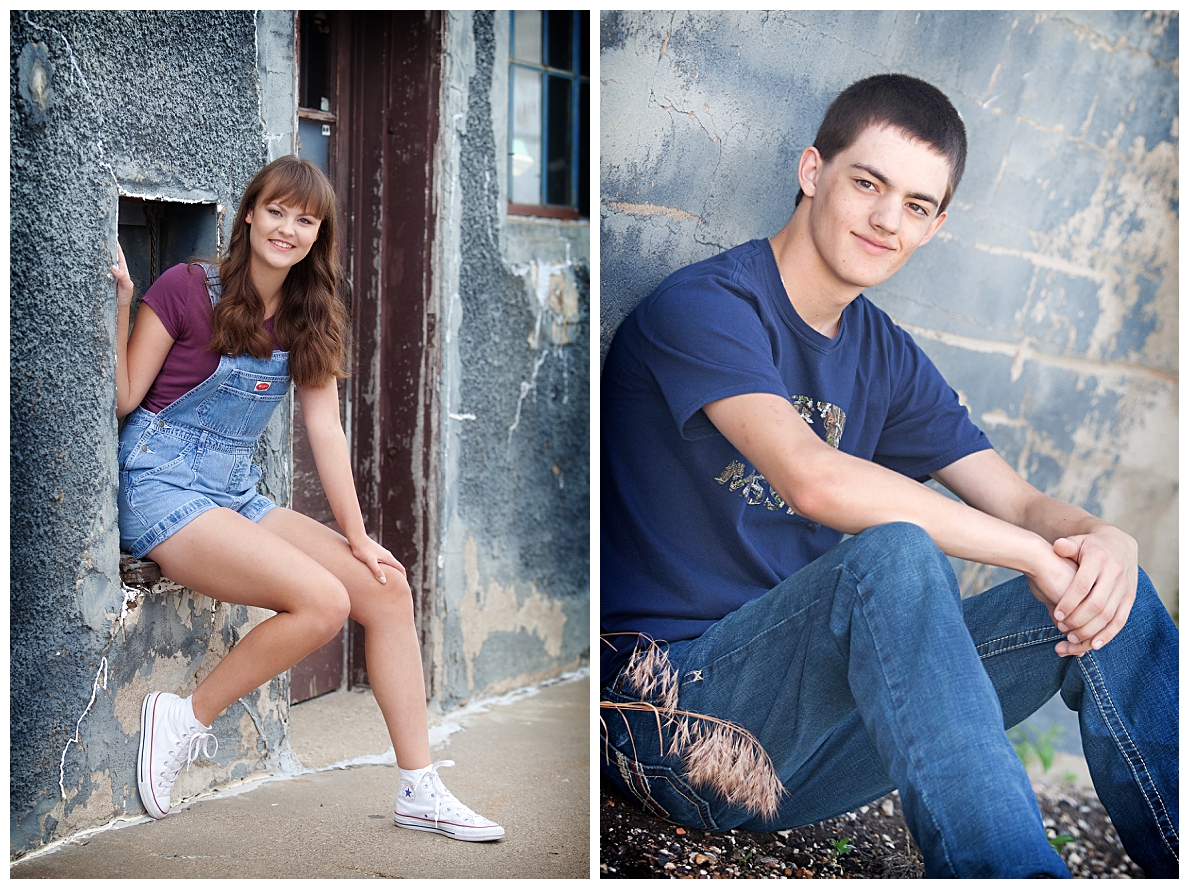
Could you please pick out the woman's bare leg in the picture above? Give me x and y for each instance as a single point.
(225, 556)
(391, 646)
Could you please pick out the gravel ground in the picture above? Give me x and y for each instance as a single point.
(634, 844)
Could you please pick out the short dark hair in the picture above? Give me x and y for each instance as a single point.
(896, 100)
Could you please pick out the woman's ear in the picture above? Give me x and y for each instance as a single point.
(248, 217)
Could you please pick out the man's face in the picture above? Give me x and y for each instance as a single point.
(873, 204)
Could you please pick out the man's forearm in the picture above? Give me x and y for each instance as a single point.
(1052, 519)
(850, 494)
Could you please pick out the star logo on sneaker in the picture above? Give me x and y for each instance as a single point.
(408, 792)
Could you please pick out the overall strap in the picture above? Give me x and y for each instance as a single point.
(214, 286)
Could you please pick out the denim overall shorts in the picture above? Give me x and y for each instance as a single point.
(196, 454)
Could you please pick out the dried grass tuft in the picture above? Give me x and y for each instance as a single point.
(650, 675)
(728, 759)
(717, 755)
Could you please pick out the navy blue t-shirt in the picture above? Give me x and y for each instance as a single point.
(690, 530)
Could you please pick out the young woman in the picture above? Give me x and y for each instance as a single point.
(212, 354)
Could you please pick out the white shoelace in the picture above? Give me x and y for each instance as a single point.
(455, 810)
(198, 746)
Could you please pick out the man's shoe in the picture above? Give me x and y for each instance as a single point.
(169, 736)
(424, 803)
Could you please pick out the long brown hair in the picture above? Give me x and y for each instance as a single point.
(311, 321)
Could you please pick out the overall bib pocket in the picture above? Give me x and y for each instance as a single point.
(242, 404)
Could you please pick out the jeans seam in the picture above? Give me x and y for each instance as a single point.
(990, 654)
(1015, 634)
(910, 751)
(771, 628)
(1091, 683)
(673, 779)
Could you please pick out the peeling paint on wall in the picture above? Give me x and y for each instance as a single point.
(488, 608)
(513, 605)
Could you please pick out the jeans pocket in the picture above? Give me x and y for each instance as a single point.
(640, 763)
(660, 791)
(153, 493)
(222, 472)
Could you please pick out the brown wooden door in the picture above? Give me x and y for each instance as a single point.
(380, 74)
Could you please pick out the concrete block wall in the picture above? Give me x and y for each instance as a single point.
(1049, 297)
(164, 106)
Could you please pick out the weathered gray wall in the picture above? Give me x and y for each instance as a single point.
(163, 106)
(1049, 297)
(514, 594)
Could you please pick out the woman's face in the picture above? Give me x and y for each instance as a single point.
(280, 235)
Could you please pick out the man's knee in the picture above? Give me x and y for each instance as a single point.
(899, 560)
(895, 546)
(1149, 614)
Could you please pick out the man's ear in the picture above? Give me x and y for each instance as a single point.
(808, 169)
(933, 227)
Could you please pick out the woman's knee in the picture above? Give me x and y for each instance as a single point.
(329, 609)
(388, 604)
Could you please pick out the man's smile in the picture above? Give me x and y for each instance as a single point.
(873, 246)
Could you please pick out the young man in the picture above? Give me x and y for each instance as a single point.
(756, 408)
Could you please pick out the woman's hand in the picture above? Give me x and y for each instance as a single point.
(123, 279)
(373, 555)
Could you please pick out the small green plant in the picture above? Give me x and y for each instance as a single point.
(842, 846)
(1069, 777)
(1059, 840)
(1031, 745)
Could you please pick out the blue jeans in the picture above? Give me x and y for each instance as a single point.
(866, 671)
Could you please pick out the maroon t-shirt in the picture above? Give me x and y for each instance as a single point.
(179, 298)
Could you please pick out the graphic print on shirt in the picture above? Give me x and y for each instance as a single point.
(754, 488)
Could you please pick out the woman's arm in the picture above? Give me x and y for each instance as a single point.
(139, 360)
(320, 410)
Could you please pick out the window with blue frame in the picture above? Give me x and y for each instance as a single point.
(549, 114)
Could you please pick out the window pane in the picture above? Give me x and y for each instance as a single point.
(561, 41)
(315, 60)
(526, 36)
(560, 122)
(526, 136)
(314, 145)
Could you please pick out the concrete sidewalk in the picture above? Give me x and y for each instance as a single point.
(522, 760)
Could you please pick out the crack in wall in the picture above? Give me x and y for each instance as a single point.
(525, 388)
(77, 739)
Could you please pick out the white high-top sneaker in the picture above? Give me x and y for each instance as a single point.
(169, 736)
(424, 803)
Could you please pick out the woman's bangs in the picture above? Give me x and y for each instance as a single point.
(301, 186)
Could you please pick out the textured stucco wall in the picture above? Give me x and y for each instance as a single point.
(514, 595)
(1048, 298)
(163, 106)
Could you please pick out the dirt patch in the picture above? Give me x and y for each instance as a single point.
(872, 842)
